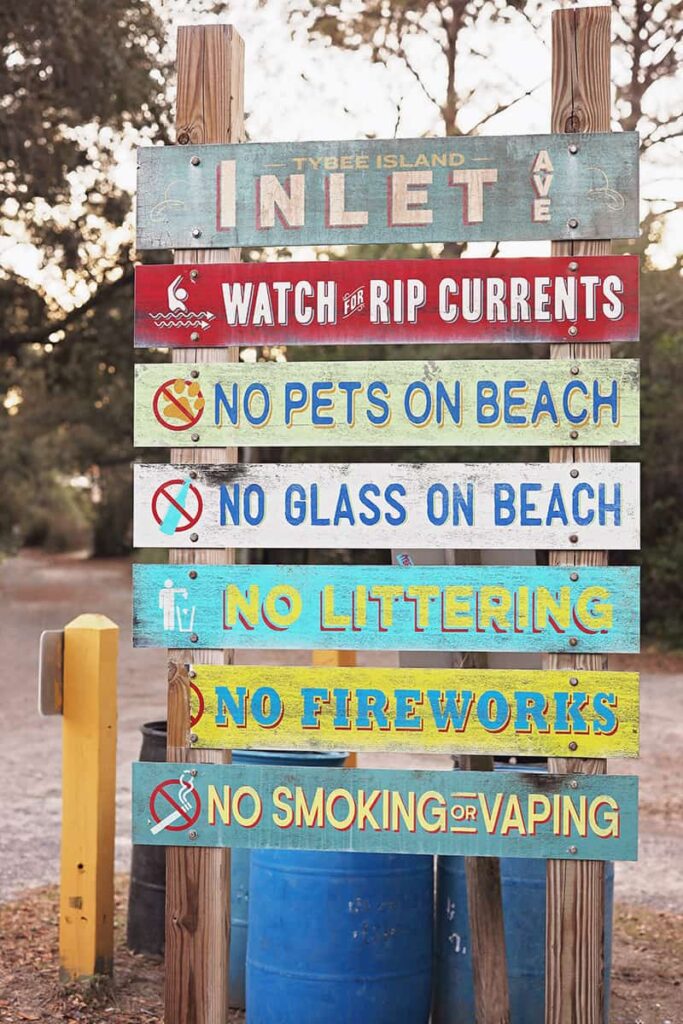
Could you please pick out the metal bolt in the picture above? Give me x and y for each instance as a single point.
(194, 537)
(193, 737)
(193, 474)
(574, 434)
(195, 437)
(573, 331)
(194, 336)
(573, 642)
(192, 574)
(193, 772)
(196, 232)
(192, 834)
(192, 674)
(573, 681)
(573, 538)
(194, 638)
(573, 576)
(575, 371)
(572, 223)
(572, 849)
(572, 266)
(573, 745)
(573, 149)
(195, 161)
(194, 374)
(574, 472)
(194, 274)
(573, 784)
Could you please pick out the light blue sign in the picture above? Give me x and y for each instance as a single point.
(473, 814)
(399, 607)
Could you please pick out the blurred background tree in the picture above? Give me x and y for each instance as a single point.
(82, 83)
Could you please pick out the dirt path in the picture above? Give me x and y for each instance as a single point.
(39, 593)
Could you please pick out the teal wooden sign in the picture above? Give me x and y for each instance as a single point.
(472, 814)
(469, 608)
(481, 188)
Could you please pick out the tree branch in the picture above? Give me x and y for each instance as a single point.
(10, 343)
(503, 106)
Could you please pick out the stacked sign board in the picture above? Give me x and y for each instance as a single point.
(530, 188)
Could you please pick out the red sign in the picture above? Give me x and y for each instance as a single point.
(562, 298)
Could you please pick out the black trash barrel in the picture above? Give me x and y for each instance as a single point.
(147, 897)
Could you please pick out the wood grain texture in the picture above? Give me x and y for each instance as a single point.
(372, 505)
(575, 964)
(468, 608)
(464, 711)
(407, 402)
(209, 109)
(481, 814)
(476, 188)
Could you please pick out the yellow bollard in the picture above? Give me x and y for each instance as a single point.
(341, 659)
(86, 913)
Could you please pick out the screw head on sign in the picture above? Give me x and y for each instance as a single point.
(194, 537)
(573, 641)
(194, 374)
(194, 274)
(193, 474)
(195, 437)
(574, 371)
(193, 737)
(572, 849)
(573, 331)
(194, 336)
(573, 745)
(572, 266)
(574, 434)
(194, 638)
(192, 574)
(196, 232)
(573, 538)
(574, 472)
(193, 772)
(192, 834)
(573, 149)
(573, 576)
(193, 675)
(572, 223)
(195, 161)
(573, 784)
(573, 681)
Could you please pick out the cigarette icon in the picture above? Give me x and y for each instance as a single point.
(165, 822)
(185, 810)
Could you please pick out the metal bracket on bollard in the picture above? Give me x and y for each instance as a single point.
(51, 673)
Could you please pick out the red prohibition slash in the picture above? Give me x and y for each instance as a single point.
(168, 805)
(186, 518)
(200, 704)
(178, 404)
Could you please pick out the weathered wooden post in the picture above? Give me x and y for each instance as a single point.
(209, 108)
(575, 902)
(86, 896)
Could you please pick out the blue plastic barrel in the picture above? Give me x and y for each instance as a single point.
(524, 887)
(240, 860)
(339, 937)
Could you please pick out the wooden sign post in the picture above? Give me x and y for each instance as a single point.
(575, 901)
(209, 108)
(578, 184)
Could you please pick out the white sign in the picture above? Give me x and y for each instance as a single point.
(468, 505)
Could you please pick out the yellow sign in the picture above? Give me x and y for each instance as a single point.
(547, 714)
